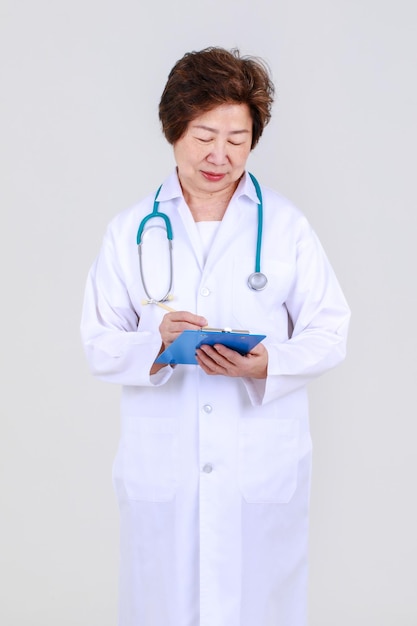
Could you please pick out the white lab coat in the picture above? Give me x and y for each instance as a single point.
(212, 473)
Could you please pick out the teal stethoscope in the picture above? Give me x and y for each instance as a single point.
(256, 281)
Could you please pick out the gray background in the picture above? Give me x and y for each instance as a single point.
(80, 141)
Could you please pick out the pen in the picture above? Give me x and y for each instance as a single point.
(208, 328)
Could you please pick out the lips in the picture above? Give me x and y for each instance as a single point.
(212, 176)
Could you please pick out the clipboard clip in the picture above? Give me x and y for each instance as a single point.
(225, 330)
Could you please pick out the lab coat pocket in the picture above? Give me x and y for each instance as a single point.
(268, 459)
(146, 466)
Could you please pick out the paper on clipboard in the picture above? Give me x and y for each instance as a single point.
(182, 350)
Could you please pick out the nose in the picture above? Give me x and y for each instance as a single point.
(218, 153)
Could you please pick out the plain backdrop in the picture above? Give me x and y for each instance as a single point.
(80, 141)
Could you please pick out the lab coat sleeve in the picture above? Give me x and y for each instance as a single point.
(319, 315)
(116, 350)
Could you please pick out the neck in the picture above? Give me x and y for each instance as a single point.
(209, 207)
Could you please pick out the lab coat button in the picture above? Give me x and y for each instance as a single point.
(205, 291)
(207, 408)
(207, 469)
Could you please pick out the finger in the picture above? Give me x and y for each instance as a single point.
(222, 355)
(208, 365)
(232, 363)
(214, 363)
(174, 323)
(186, 317)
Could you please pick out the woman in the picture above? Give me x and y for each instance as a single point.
(212, 472)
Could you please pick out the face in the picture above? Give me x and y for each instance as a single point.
(211, 156)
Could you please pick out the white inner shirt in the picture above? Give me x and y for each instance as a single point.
(207, 231)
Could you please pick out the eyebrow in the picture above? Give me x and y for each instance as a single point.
(214, 130)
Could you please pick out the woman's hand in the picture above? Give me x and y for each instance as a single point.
(174, 323)
(219, 360)
(172, 326)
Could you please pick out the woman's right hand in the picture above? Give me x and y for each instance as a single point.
(174, 323)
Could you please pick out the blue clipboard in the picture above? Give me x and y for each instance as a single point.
(182, 349)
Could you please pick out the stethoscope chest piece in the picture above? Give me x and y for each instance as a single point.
(257, 281)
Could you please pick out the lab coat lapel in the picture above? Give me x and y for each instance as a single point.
(191, 230)
(181, 217)
(223, 239)
(224, 236)
(238, 216)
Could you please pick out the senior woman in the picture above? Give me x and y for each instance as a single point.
(212, 472)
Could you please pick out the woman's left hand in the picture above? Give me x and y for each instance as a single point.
(218, 360)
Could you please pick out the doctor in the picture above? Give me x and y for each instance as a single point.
(212, 472)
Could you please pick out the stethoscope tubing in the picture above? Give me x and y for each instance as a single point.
(155, 213)
(260, 225)
(256, 281)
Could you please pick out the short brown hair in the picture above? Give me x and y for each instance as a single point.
(202, 80)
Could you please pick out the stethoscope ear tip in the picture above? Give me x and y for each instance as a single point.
(160, 303)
